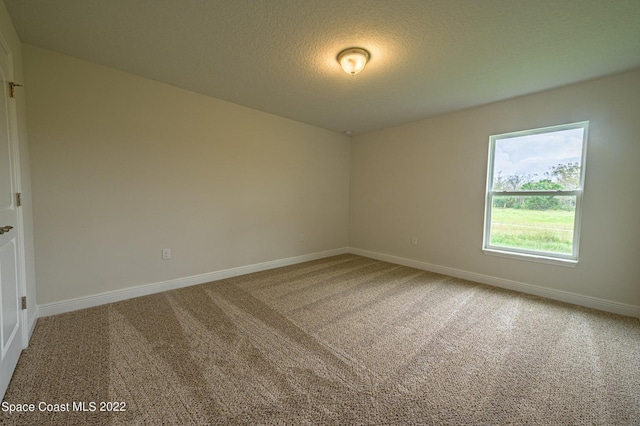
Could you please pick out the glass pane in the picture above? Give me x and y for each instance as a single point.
(539, 161)
(536, 223)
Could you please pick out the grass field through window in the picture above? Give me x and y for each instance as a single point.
(540, 230)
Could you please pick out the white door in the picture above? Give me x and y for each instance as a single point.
(10, 312)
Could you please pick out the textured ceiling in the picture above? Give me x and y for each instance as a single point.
(427, 56)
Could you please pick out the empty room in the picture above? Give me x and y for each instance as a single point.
(335, 212)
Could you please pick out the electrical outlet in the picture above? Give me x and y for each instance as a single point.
(414, 240)
(166, 254)
(301, 237)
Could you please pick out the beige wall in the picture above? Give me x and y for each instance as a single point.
(428, 179)
(11, 38)
(123, 167)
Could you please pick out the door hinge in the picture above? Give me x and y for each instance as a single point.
(12, 88)
(18, 199)
(24, 302)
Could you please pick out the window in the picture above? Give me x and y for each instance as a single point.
(535, 181)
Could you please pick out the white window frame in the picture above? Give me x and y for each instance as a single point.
(534, 255)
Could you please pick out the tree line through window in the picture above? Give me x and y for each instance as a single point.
(534, 191)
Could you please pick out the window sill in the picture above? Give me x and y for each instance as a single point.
(531, 257)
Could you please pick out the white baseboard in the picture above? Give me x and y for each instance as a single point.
(146, 289)
(563, 296)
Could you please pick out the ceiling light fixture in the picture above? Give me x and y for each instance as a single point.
(353, 60)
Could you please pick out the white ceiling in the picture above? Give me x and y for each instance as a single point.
(427, 56)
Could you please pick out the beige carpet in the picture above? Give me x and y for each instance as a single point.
(343, 340)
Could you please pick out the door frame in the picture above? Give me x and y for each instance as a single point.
(15, 163)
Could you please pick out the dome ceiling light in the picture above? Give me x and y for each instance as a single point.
(353, 60)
